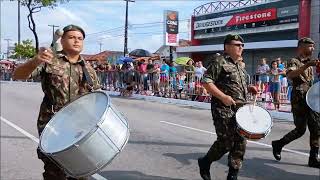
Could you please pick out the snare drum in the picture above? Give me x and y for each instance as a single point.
(313, 97)
(85, 135)
(253, 122)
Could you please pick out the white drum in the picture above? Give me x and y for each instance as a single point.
(313, 97)
(253, 122)
(85, 135)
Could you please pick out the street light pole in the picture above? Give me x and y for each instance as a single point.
(53, 26)
(125, 50)
(19, 30)
(8, 45)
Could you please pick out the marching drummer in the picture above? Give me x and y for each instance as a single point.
(64, 76)
(301, 74)
(225, 80)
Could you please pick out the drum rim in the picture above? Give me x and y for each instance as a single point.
(271, 124)
(309, 91)
(85, 136)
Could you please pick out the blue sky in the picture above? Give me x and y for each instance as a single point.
(103, 21)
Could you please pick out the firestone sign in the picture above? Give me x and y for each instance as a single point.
(256, 16)
(250, 17)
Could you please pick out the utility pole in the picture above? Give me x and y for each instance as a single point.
(100, 44)
(8, 45)
(125, 50)
(0, 29)
(19, 30)
(53, 26)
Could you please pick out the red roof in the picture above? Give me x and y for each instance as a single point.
(102, 56)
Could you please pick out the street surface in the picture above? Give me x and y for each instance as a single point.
(165, 142)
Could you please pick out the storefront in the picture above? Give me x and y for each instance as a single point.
(270, 29)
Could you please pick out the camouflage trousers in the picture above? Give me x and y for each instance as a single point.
(303, 116)
(228, 140)
(52, 171)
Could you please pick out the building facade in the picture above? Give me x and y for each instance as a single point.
(271, 28)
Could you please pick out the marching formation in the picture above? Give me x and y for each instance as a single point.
(68, 81)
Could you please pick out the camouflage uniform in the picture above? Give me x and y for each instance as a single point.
(230, 78)
(61, 82)
(302, 114)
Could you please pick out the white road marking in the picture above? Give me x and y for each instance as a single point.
(95, 176)
(253, 142)
(20, 130)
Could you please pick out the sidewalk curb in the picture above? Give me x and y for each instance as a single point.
(282, 116)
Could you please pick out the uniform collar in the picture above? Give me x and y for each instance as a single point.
(303, 59)
(62, 55)
(228, 58)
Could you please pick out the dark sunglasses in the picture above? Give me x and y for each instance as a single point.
(239, 45)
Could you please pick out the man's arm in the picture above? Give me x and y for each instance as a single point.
(292, 72)
(213, 90)
(23, 71)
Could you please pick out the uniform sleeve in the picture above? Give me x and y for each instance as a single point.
(36, 74)
(292, 65)
(93, 75)
(212, 73)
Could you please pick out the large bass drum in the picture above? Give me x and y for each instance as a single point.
(313, 97)
(85, 135)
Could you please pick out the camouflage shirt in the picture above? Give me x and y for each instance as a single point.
(229, 77)
(301, 83)
(62, 82)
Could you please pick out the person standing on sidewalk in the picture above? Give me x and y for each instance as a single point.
(300, 72)
(64, 77)
(225, 80)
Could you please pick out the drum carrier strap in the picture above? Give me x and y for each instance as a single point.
(86, 76)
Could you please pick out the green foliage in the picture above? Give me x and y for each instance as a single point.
(24, 49)
(34, 6)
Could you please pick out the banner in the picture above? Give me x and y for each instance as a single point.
(279, 14)
(171, 28)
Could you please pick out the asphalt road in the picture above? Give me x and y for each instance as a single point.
(165, 142)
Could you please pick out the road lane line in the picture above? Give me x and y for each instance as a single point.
(253, 142)
(95, 176)
(20, 130)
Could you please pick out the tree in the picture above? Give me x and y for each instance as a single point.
(35, 6)
(24, 50)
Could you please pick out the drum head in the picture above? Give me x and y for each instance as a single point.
(254, 119)
(313, 97)
(73, 122)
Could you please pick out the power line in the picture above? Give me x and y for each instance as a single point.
(130, 26)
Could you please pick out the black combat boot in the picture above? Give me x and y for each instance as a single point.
(204, 166)
(276, 149)
(313, 158)
(233, 174)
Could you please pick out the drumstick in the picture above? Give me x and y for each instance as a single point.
(254, 102)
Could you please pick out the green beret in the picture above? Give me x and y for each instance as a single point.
(231, 37)
(305, 40)
(72, 27)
